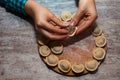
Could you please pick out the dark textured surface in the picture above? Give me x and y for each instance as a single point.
(19, 58)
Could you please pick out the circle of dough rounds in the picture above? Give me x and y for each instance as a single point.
(91, 65)
(99, 53)
(66, 16)
(100, 41)
(78, 68)
(44, 50)
(52, 60)
(64, 66)
(56, 47)
(97, 31)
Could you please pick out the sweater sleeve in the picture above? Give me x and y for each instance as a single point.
(14, 5)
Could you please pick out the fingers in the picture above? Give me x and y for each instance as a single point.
(52, 32)
(77, 17)
(58, 22)
(85, 23)
(52, 36)
(54, 29)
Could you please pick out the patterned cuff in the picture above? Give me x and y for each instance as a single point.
(15, 5)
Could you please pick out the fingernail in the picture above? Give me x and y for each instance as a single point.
(73, 23)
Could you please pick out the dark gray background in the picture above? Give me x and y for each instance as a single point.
(19, 58)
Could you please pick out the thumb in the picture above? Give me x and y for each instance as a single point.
(77, 17)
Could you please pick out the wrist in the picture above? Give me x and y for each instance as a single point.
(30, 8)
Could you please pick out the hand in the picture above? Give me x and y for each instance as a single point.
(42, 16)
(85, 15)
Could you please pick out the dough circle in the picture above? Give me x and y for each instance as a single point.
(97, 31)
(50, 50)
(99, 53)
(56, 47)
(52, 60)
(100, 41)
(44, 50)
(64, 66)
(91, 65)
(78, 68)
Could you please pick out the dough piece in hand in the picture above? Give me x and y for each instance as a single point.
(99, 53)
(56, 47)
(91, 65)
(97, 30)
(72, 30)
(42, 40)
(100, 41)
(44, 50)
(78, 68)
(64, 66)
(66, 16)
(52, 60)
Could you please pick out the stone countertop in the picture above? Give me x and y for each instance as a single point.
(19, 58)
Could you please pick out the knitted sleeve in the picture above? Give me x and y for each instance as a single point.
(14, 5)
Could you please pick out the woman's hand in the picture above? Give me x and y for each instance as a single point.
(85, 15)
(42, 16)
